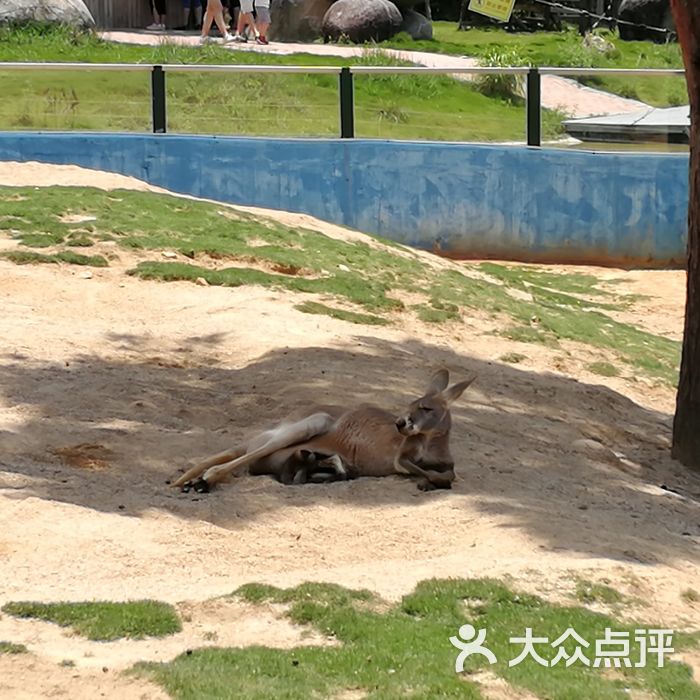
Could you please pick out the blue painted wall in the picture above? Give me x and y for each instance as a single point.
(472, 200)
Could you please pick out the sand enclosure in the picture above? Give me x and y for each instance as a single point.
(109, 385)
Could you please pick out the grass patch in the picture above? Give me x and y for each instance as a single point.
(589, 592)
(437, 312)
(403, 650)
(387, 106)
(512, 358)
(314, 307)
(536, 305)
(26, 257)
(690, 595)
(604, 369)
(11, 648)
(104, 621)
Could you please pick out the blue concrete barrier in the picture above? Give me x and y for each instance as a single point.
(463, 200)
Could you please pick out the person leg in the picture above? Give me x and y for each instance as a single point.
(214, 13)
(245, 18)
(262, 20)
(193, 8)
(234, 9)
(162, 10)
(158, 13)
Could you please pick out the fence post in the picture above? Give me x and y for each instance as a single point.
(347, 105)
(534, 108)
(158, 99)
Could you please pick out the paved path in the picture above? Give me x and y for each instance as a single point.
(557, 93)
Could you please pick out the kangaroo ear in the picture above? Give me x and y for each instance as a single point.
(456, 390)
(438, 382)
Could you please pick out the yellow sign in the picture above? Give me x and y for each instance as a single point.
(498, 9)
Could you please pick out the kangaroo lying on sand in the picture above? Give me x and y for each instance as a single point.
(331, 443)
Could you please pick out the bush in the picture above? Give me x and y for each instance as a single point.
(504, 86)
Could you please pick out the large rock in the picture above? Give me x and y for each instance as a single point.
(653, 13)
(361, 20)
(297, 20)
(417, 25)
(72, 12)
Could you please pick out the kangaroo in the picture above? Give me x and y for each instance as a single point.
(330, 443)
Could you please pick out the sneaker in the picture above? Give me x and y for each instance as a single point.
(228, 38)
(204, 40)
(239, 39)
(155, 27)
(262, 40)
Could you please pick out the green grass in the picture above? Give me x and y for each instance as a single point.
(390, 106)
(104, 621)
(604, 369)
(565, 49)
(438, 311)
(25, 257)
(512, 358)
(11, 648)
(313, 307)
(589, 592)
(534, 305)
(404, 650)
(690, 595)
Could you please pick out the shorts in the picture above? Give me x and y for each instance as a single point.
(262, 14)
(246, 6)
(188, 3)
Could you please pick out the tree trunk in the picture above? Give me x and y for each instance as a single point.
(686, 425)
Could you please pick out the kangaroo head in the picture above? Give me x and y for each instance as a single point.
(430, 414)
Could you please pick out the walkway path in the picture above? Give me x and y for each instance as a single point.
(557, 93)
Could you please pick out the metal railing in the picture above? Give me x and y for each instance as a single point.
(346, 99)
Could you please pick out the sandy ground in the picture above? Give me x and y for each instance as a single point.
(131, 380)
(559, 93)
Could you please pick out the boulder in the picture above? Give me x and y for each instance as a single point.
(653, 13)
(71, 12)
(297, 20)
(417, 25)
(361, 20)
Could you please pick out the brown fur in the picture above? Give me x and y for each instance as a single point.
(367, 441)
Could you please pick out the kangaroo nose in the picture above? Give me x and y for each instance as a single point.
(401, 423)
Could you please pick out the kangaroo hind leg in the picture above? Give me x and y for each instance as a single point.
(284, 435)
(200, 468)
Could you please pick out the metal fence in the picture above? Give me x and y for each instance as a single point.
(346, 99)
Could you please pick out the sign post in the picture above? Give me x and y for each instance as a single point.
(498, 9)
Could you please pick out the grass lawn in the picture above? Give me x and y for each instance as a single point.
(350, 280)
(430, 107)
(565, 49)
(104, 621)
(404, 650)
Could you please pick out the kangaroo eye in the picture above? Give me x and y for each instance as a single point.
(426, 408)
